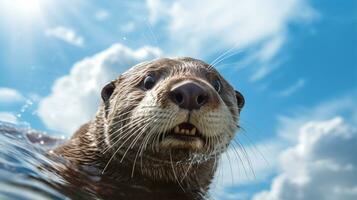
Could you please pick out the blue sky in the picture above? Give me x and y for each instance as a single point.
(295, 62)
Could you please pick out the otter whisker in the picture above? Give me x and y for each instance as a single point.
(126, 110)
(208, 143)
(159, 131)
(125, 126)
(127, 133)
(251, 142)
(148, 136)
(174, 172)
(133, 125)
(121, 120)
(118, 137)
(241, 160)
(188, 169)
(215, 143)
(218, 66)
(147, 139)
(150, 107)
(163, 129)
(144, 143)
(110, 134)
(116, 151)
(215, 163)
(155, 124)
(136, 157)
(210, 148)
(245, 153)
(230, 166)
(225, 55)
(245, 156)
(238, 158)
(120, 116)
(215, 61)
(139, 150)
(134, 141)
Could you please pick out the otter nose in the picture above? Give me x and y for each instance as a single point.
(189, 95)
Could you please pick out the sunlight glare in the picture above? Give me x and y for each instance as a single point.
(22, 9)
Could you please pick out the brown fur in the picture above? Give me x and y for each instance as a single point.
(162, 169)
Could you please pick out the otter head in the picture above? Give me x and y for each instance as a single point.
(170, 110)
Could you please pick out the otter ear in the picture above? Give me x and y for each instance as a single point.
(240, 100)
(107, 91)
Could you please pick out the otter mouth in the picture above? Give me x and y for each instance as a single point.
(185, 132)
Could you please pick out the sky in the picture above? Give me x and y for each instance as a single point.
(295, 61)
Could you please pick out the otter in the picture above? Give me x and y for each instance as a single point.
(160, 130)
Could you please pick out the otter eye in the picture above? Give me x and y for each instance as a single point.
(149, 82)
(217, 85)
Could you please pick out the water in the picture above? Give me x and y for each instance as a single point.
(28, 172)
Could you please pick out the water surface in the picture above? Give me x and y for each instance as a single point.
(28, 172)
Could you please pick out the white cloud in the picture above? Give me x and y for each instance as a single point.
(101, 15)
(8, 117)
(322, 165)
(9, 95)
(289, 126)
(293, 88)
(75, 97)
(65, 34)
(217, 25)
(230, 182)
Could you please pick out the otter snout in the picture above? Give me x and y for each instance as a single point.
(189, 95)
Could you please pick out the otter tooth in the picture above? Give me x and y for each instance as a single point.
(193, 131)
(187, 132)
(177, 129)
(182, 131)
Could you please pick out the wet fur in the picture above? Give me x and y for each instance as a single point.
(132, 114)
